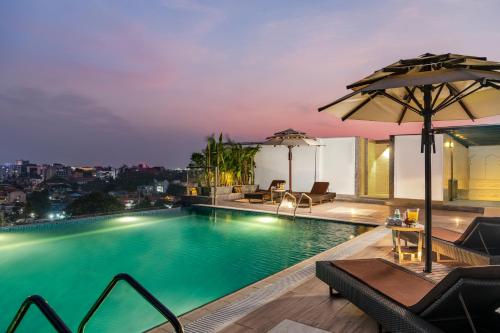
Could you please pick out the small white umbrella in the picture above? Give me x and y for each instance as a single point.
(290, 138)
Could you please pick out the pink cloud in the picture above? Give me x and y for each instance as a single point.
(273, 76)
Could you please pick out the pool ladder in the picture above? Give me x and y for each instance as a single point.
(44, 307)
(59, 325)
(295, 202)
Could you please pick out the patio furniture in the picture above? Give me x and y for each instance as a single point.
(398, 232)
(263, 195)
(431, 87)
(479, 244)
(491, 211)
(277, 193)
(318, 194)
(400, 300)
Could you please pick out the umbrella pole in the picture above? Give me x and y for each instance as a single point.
(290, 169)
(428, 142)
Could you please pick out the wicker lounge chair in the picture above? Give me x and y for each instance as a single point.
(403, 301)
(319, 193)
(262, 195)
(479, 244)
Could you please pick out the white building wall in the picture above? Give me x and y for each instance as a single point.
(333, 161)
(337, 164)
(272, 163)
(409, 168)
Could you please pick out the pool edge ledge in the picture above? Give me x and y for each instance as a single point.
(289, 214)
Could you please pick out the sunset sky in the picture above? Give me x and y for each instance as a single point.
(122, 81)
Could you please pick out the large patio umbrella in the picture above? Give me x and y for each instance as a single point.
(429, 87)
(290, 138)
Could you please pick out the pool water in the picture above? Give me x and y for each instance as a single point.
(185, 257)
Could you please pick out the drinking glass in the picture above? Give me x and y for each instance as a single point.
(412, 214)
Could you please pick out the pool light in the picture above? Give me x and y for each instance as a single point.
(127, 219)
(266, 219)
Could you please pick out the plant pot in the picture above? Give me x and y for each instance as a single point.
(248, 188)
(222, 190)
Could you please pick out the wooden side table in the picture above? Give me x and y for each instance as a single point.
(415, 252)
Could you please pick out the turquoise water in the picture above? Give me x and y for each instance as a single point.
(186, 258)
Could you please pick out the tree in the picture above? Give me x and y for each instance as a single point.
(176, 190)
(144, 204)
(95, 203)
(235, 163)
(38, 203)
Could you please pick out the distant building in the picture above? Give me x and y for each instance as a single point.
(35, 181)
(142, 167)
(9, 171)
(106, 173)
(83, 175)
(58, 191)
(10, 195)
(161, 186)
(57, 170)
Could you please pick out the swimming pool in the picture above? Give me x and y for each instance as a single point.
(185, 257)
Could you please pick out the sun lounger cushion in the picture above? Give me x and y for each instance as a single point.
(320, 188)
(396, 282)
(393, 316)
(445, 234)
(409, 289)
(482, 235)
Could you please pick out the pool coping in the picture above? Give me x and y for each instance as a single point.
(82, 219)
(288, 214)
(220, 313)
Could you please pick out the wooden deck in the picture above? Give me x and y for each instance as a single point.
(310, 303)
(358, 212)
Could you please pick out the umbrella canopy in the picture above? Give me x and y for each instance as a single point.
(429, 87)
(290, 138)
(462, 88)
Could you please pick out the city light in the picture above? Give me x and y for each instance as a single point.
(56, 216)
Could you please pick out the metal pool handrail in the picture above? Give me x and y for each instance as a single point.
(294, 199)
(174, 321)
(46, 310)
(303, 195)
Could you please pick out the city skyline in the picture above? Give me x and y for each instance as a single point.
(111, 83)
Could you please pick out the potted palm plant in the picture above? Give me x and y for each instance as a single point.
(227, 165)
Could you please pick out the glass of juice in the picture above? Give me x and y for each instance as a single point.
(412, 214)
